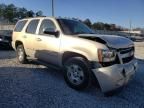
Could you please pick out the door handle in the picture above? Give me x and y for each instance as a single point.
(38, 39)
(24, 36)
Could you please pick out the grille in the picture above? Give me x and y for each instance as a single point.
(7, 38)
(126, 50)
(127, 59)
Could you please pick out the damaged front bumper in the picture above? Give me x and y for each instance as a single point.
(116, 76)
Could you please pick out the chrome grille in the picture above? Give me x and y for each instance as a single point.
(126, 50)
(127, 59)
(127, 54)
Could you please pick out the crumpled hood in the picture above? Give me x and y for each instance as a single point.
(112, 40)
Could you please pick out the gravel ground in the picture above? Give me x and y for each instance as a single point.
(35, 86)
(139, 47)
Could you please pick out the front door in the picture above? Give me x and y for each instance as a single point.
(47, 46)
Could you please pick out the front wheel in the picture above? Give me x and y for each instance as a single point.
(21, 56)
(77, 73)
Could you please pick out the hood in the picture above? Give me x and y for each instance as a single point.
(112, 41)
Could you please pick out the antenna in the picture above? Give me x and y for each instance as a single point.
(130, 29)
(53, 8)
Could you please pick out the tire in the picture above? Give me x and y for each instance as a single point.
(77, 73)
(21, 56)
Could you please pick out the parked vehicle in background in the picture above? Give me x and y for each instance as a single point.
(5, 38)
(72, 46)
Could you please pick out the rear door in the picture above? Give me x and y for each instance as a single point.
(47, 45)
(18, 32)
(30, 37)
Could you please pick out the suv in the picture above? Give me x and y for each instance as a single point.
(81, 54)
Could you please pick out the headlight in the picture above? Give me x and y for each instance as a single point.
(106, 55)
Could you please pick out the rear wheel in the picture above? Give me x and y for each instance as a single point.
(21, 56)
(77, 73)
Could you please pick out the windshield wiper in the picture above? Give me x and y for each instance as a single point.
(83, 33)
(79, 33)
(91, 33)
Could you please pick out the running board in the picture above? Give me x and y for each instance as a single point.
(48, 65)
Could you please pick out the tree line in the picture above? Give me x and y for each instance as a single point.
(12, 13)
(103, 26)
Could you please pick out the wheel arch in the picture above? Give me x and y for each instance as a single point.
(69, 54)
(18, 43)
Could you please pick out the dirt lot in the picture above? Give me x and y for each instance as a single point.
(35, 86)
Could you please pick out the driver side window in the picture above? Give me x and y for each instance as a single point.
(46, 24)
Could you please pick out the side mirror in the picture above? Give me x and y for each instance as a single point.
(51, 31)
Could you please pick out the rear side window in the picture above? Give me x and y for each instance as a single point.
(20, 26)
(32, 26)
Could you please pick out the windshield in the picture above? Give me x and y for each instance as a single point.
(72, 27)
